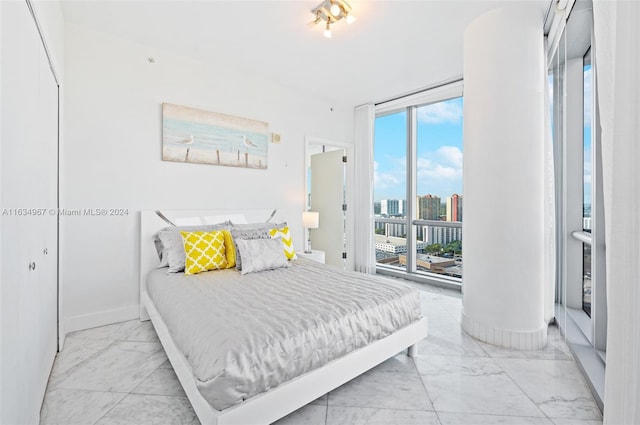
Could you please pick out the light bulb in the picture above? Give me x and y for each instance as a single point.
(351, 19)
(327, 29)
(335, 10)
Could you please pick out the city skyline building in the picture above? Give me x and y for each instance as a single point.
(441, 235)
(392, 207)
(395, 245)
(454, 208)
(395, 229)
(428, 207)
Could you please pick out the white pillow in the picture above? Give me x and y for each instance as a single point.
(261, 254)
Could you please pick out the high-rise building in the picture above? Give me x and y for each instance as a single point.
(376, 208)
(454, 208)
(441, 235)
(380, 229)
(391, 229)
(428, 207)
(392, 207)
(395, 230)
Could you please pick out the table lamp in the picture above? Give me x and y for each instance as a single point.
(310, 220)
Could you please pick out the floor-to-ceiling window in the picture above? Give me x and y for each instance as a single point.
(390, 177)
(418, 199)
(581, 280)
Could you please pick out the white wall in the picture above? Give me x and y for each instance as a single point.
(111, 158)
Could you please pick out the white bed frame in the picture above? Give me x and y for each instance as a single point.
(276, 403)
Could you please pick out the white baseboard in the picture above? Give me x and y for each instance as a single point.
(93, 320)
(62, 334)
(516, 340)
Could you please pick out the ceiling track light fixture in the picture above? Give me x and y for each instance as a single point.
(332, 11)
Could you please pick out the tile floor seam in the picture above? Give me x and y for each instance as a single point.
(124, 395)
(326, 412)
(147, 377)
(499, 415)
(85, 389)
(461, 356)
(424, 386)
(95, 353)
(90, 391)
(162, 395)
(523, 391)
(139, 324)
(382, 408)
(582, 380)
(438, 417)
(479, 345)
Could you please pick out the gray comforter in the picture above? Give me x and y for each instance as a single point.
(245, 334)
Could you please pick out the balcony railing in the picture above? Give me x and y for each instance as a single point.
(438, 223)
(432, 258)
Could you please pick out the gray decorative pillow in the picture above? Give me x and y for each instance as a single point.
(261, 254)
(263, 225)
(246, 234)
(173, 254)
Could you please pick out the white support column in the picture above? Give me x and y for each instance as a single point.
(504, 83)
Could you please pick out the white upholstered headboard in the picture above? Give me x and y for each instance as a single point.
(152, 221)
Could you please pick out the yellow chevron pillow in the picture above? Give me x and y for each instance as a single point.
(204, 251)
(229, 249)
(287, 242)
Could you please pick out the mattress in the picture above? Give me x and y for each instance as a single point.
(245, 334)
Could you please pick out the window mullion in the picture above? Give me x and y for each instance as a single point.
(411, 187)
(598, 260)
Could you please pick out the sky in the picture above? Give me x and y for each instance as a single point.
(587, 119)
(588, 101)
(439, 149)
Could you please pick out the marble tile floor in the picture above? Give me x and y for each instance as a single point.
(119, 374)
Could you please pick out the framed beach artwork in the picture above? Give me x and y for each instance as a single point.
(193, 135)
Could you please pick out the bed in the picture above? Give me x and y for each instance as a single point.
(304, 330)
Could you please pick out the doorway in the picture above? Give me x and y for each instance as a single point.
(327, 178)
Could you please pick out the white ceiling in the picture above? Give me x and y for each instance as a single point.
(395, 47)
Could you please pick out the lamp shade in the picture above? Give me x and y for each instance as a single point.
(310, 219)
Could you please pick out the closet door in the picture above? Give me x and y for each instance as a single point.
(28, 288)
